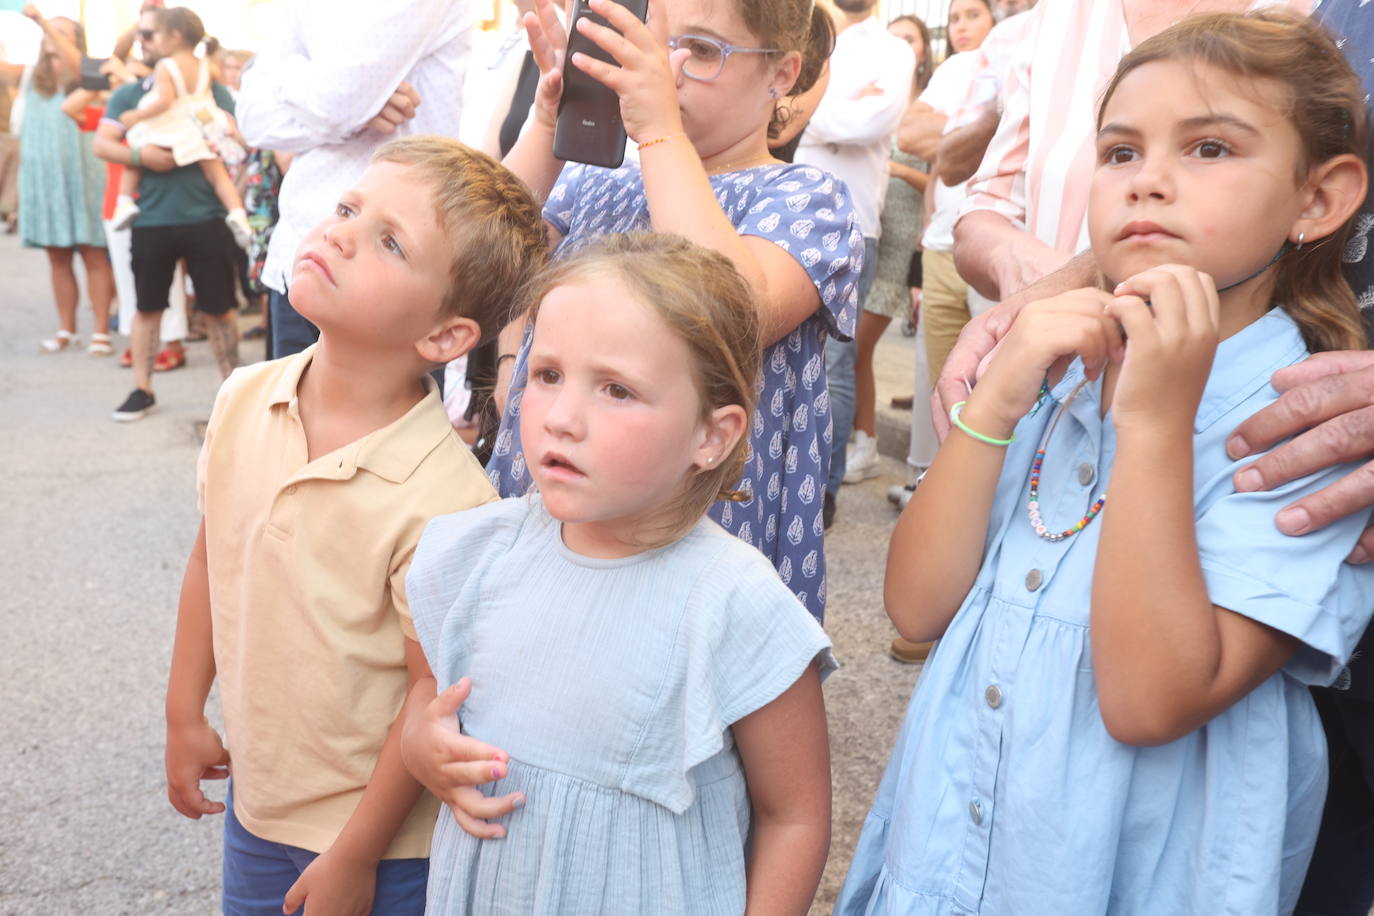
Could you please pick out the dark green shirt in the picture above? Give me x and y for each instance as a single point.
(182, 196)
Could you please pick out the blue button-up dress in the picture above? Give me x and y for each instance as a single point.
(1005, 793)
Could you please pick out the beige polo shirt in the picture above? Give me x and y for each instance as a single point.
(307, 565)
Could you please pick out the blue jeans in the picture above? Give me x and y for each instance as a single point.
(839, 376)
(258, 873)
(291, 332)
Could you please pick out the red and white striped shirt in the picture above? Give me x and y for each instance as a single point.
(1038, 168)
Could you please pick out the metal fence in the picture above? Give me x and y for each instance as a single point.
(934, 13)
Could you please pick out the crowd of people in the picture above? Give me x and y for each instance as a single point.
(589, 425)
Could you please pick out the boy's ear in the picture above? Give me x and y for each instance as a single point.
(1337, 188)
(448, 340)
(720, 432)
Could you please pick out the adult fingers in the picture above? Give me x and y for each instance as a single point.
(1319, 365)
(410, 92)
(1349, 437)
(400, 105)
(1352, 493)
(1364, 548)
(1316, 402)
(976, 341)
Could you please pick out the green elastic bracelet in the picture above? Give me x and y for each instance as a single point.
(954, 418)
(134, 158)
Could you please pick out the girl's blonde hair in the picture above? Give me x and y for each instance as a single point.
(1326, 106)
(707, 305)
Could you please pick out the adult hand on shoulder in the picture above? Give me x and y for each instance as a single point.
(977, 341)
(1327, 403)
(157, 158)
(450, 764)
(333, 885)
(399, 108)
(194, 752)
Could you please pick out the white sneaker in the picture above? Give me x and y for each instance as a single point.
(237, 221)
(126, 211)
(861, 459)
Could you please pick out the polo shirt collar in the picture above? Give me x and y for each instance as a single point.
(392, 452)
(1243, 365)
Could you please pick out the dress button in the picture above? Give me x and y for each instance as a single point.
(975, 812)
(1085, 474)
(993, 695)
(1034, 579)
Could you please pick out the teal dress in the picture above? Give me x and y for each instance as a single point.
(61, 182)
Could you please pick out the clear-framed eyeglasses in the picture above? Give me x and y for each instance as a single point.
(709, 55)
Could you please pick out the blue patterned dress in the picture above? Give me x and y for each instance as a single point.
(806, 212)
(61, 182)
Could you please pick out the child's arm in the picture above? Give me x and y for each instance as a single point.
(1166, 659)
(450, 764)
(679, 193)
(786, 754)
(937, 547)
(531, 158)
(74, 105)
(343, 878)
(164, 94)
(194, 750)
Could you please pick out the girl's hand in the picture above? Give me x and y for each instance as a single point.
(31, 11)
(648, 75)
(333, 885)
(194, 752)
(1046, 334)
(129, 118)
(449, 764)
(1170, 345)
(549, 45)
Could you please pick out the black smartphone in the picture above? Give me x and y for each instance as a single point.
(91, 77)
(589, 127)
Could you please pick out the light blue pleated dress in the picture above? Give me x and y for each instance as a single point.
(612, 684)
(61, 182)
(1006, 795)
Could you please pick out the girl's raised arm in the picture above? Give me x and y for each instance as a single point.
(938, 545)
(1165, 658)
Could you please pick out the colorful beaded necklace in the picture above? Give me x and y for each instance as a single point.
(1033, 504)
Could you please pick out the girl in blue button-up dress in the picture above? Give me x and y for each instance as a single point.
(701, 87)
(1116, 718)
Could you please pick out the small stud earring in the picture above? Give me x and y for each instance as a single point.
(773, 92)
(711, 460)
(1301, 237)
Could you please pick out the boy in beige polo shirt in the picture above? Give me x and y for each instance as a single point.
(318, 474)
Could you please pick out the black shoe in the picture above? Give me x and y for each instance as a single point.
(828, 511)
(135, 406)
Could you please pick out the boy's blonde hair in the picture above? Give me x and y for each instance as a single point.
(495, 230)
(705, 302)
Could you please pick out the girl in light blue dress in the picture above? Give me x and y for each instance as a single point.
(702, 87)
(652, 687)
(1116, 719)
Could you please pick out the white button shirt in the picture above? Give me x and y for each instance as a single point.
(850, 135)
(329, 69)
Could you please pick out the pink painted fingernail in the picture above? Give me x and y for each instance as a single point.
(495, 772)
